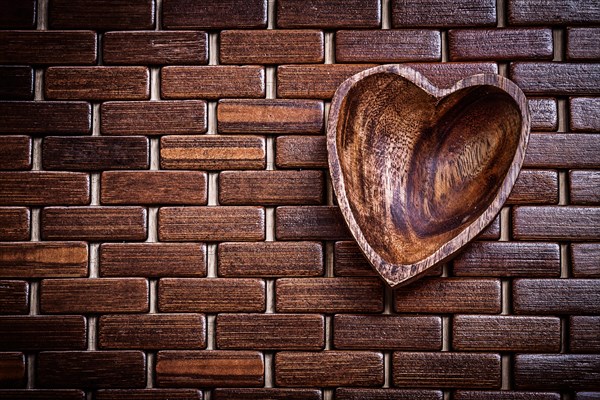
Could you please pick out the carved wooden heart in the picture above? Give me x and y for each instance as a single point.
(419, 171)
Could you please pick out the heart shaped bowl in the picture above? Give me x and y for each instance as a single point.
(419, 171)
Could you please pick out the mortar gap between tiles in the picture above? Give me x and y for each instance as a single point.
(564, 334)
(446, 333)
(268, 369)
(506, 296)
(30, 371)
(36, 226)
(153, 298)
(503, 69)
(92, 332)
(328, 332)
(558, 39)
(565, 268)
(154, 83)
(386, 14)
(505, 224)
(269, 224)
(501, 13)
(211, 262)
(388, 300)
(445, 46)
(271, 14)
(150, 364)
(158, 15)
(270, 296)
(506, 364)
(213, 48)
(210, 332)
(94, 247)
(329, 48)
(387, 369)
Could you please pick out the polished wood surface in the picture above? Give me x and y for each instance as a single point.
(420, 171)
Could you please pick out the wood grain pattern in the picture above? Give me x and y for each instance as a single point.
(554, 12)
(576, 150)
(544, 113)
(153, 187)
(149, 394)
(42, 394)
(556, 296)
(584, 336)
(383, 46)
(15, 152)
(270, 331)
(15, 223)
(584, 187)
(556, 79)
(348, 260)
(557, 371)
(583, 115)
(16, 83)
(301, 152)
(505, 333)
(43, 259)
(41, 117)
(60, 333)
(14, 297)
(18, 14)
(556, 223)
(329, 295)
(97, 83)
(272, 47)
(211, 295)
(48, 48)
(214, 14)
(12, 369)
(214, 152)
(152, 260)
(91, 369)
(267, 394)
(95, 153)
(152, 331)
(44, 188)
(212, 82)
(384, 210)
(211, 224)
(329, 368)
(535, 187)
(270, 259)
(445, 74)
(328, 14)
(64, 296)
(387, 394)
(210, 368)
(443, 13)
(310, 223)
(504, 395)
(581, 43)
(153, 117)
(585, 260)
(102, 14)
(447, 369)
(94, 223)
(387, 332)
(155, 48)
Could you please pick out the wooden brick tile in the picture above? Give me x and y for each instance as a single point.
(328, 14)
(443, 13)
(348, 260)
(16, 83)
(450, 295)
(63, 296)
(43, 259)
(582, 43)
(97, 83)
(388, 46)
(211, 224)
(535, 187)
(544, 113)
(148, 394)
(556, 296)
(563, 150)
(509, 259)
(14, 297)
(39, 332)
(501, 44)
(446, 74)
(267, 394)
(329, 295)
(584, 187)
(214, 152)
(318, 81)
(153, 117)
(91, 369)
(556, 223)
(152, 331)
(387, 394)
(44, 188)
(18, 14)
(557, 371)
(585, 260)
(554, 12)
(15, 223)
(210, 368)
(94, 223)
(152, 260)
(214, 14)
(272, 47)
(503, 395)
(271, 187)
(95, 153)
(584, 334)
(270, 331)
(505, 333)
(329, 368)
(447, 369)
(211, 295)
(48, 48)
(42, 394)
(270, 259)
(583, 115)
(310, 223)
(102, 15)
(212, 82)
(40, 117)
(301, 152)
(270, 116)
(15, 152)
(387, 332)
(153, 187)
(12, 370)
(148, 48)
(550, 78)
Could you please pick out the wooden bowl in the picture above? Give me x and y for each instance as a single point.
(419, 171)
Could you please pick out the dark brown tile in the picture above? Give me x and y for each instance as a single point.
(12, 370)
(42, 394)
(270, 259)
(544, 113)
(349, 260)
(310, 223)
(556, 296)
(44, 188)
(585, 260)
(267, 394)
(583, 114)
(582, 43)
(38, 332)
(557, 371)
(211, 295)
(18, 14)
(443, 13)
(15, 152)
(41, 117)
(300, 152)
(584, 334)
(587, 395)
(148, 394)
(556, 223)
(504, 395)
(535, 187)
(328, 14)
(16, 83)
(14, 297)
(15, 223)
(553, 12)
(153, 117)
(577, 150)
(214, 14)
(329, 368)
(43, 259)
(387, 394)
(48, 47)
(102, 14)
(584, 187)
(446, 74)
(560, 79)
